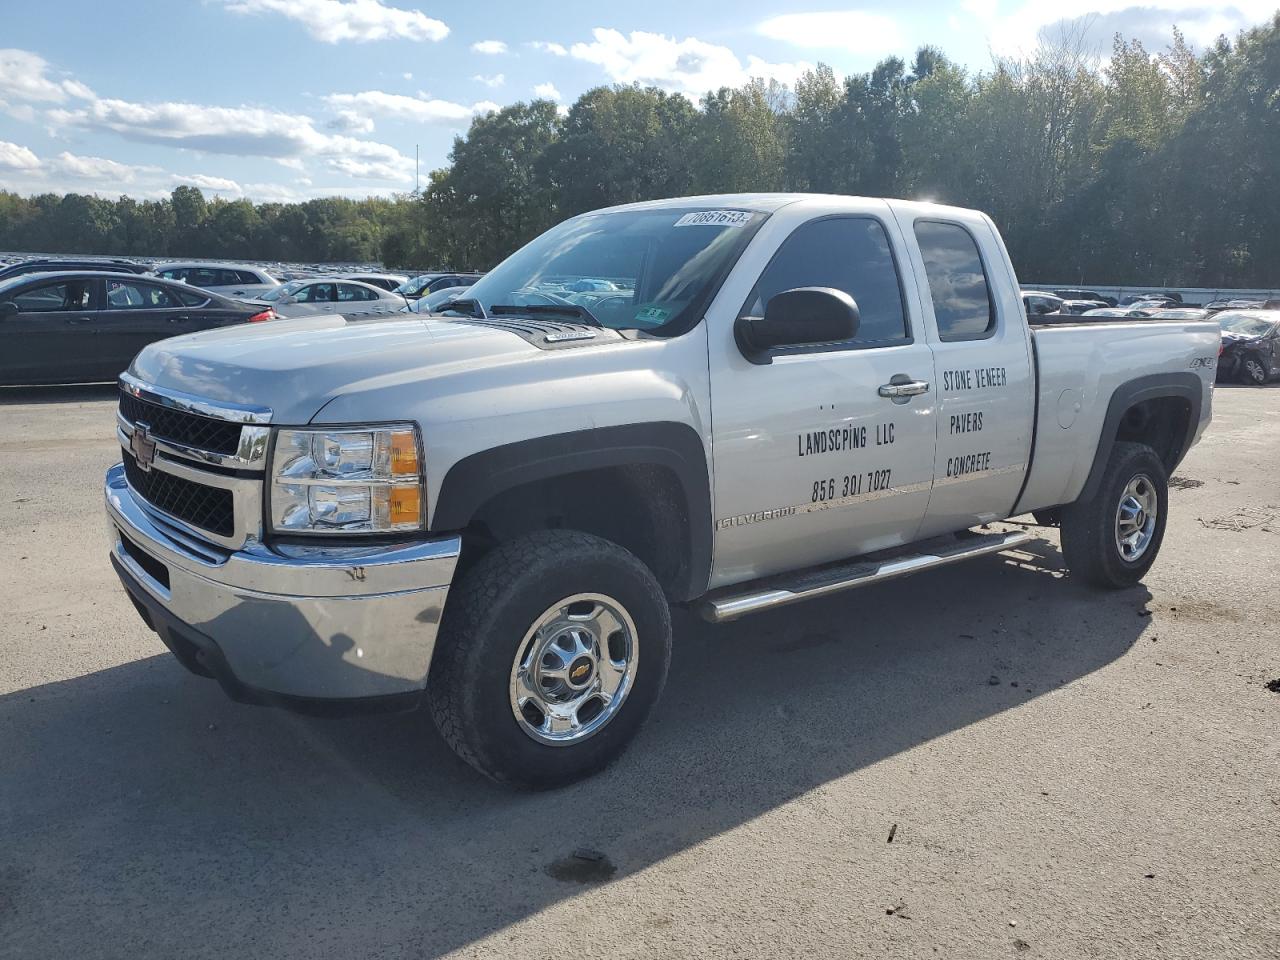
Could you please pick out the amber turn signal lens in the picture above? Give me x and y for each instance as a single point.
(406, 506)
(404, 454)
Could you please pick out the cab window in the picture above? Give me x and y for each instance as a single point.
(316, 293)
(962, 304)
(851, 254)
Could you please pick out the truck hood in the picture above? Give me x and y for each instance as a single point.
(297, 366)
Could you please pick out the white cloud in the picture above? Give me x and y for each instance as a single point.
(546, 91)
(495, 81)
(95, 168)
(489, 46)
(333, 21)
(419, 109)
(406, 75)
(689, 66)
(211, 184)
(555, 49)
(1016, 30)
(349, 121)
(24, 78)
(236, 131)
(858, 31)
(16, 157)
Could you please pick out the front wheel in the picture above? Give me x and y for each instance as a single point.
(553, 649)
(1111, 540)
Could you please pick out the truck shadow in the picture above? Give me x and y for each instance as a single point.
(142, 807)
(74, 393)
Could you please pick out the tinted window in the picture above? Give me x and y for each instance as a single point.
(190, 298)
(47, 297)
(958, 284)
(244, 276)
(850, 254)
(316, 293)
(174, 274)
(126, 295)
(348, 292)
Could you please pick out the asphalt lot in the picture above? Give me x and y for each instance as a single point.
(1071, 773)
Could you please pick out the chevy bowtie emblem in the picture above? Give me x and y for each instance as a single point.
(143, 447)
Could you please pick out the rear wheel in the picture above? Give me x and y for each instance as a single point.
(553, 649)
(1112, 539)
(1253, 370)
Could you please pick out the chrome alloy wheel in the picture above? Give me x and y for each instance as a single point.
(1136, 518)
(573, 669)
(1254, 368)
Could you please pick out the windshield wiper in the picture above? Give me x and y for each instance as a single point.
(546, 309)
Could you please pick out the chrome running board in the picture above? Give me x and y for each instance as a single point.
(734, 602)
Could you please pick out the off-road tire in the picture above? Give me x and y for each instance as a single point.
(1088, 526)
(487, 615)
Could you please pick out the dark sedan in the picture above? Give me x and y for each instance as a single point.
(86, 326)
(1250, 345)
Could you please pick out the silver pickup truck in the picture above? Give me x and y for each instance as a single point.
(730, 402)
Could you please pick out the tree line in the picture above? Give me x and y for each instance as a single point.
(1159, 168)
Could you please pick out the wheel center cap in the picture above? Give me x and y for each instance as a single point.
(581, 671)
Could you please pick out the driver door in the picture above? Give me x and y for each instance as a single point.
(813, 462)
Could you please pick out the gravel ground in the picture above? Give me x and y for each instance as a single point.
(1063, 773)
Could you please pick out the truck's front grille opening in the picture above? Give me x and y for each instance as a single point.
(156, 570)
(209, 508)
(189, 429)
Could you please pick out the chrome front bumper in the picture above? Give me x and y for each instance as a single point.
(275, 624)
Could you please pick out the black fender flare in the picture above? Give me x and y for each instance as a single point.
(476, 479)
(1183, 385)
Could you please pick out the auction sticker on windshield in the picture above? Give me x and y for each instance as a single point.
(715, 218)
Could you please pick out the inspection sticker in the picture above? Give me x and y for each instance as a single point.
(715, 218)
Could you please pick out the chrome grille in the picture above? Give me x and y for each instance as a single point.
(209, 508)
(188, 429)
(206, 475)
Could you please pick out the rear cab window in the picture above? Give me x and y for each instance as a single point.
(963, 307)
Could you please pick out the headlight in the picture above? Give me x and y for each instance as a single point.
(346, 480)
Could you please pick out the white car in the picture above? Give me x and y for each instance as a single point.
(784, 397)
(387, 281)
(242, 281)
(350, 298)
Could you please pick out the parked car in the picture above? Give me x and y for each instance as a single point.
(1114, 313)
(1103, 301)
(1250, 345)
(85, 326)
(1156, 299)
(299, 298)
(1037, 303)
(1180, 313)
(423, 284)
(47, 264)
(491, 513)
(228, 279)
(387, 281)
(435, 302)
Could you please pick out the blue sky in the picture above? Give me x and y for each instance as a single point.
(290, 99)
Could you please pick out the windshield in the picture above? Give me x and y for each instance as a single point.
(631, 270)
(434, 301)
(414, 284)
(284, 290)
(1245, 325)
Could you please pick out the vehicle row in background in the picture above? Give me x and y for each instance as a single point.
(47, 264)
(83, 326)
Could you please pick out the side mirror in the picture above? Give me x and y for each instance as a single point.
(796, 317)
(8, 309)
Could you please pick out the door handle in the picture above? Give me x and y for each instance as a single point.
(182, 319)
(80, 320)
(907, 388)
